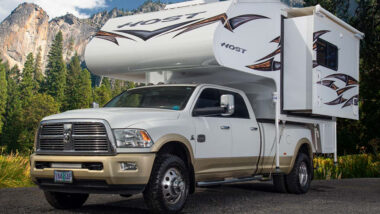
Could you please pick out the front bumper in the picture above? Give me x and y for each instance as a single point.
(111, 179)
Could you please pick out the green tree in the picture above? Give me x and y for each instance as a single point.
(367, 20)
(103, 94)
(78, 86)
(28, 85)
(3, 94)
(56, 71)
(85, 89)
(42, 105)
(25, 108)
(13, 115)
(38, 75)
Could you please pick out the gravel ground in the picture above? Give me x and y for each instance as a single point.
(335, 196)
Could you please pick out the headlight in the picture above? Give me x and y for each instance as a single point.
(132, 138)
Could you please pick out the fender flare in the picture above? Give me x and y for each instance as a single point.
(300, 143)
(174, 138)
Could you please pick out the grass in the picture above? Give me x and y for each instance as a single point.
(15, 168)
(14, 171)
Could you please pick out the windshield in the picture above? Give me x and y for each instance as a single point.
(165, 97)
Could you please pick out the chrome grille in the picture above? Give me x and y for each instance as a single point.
(89, 144)
(51, 144)
(53, 129)
(71, 137)
(89, 129)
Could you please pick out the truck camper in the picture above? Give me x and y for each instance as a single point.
(241, 90)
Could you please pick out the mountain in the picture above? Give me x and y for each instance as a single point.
(28, 29)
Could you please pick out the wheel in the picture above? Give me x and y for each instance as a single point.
(279, 183)
(62, 200)
(299, 179)
(168, 186)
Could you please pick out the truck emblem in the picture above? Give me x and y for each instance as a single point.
(67, 133)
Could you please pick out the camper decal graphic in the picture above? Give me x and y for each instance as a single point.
(181, 28)
(235, 22)
(222, 18)
(145, 34)
(352, 101)
(337, 101)
(276, 40)
(110, 36)
(328, 83)
(349, 82)
(270, 64)
(345, 78)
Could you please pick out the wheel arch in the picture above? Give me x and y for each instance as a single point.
(178, 145)
(303, 145)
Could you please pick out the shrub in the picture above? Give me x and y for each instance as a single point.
(349, 166)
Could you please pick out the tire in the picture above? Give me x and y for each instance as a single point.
(279, 183)
(168, 186)
(299, 179)
(60, 200)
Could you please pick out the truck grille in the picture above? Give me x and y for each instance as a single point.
(83, 137)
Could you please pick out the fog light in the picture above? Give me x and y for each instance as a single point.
(128, 166)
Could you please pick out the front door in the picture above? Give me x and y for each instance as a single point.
(213, 133)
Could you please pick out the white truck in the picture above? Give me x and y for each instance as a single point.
(244, 89)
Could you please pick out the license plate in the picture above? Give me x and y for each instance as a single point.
(63, 176)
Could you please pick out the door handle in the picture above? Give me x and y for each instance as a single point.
(225, 127)
(253, 128)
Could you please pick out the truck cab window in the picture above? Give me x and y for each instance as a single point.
(327, 54)
(209, 98)
(241, 110)
(165, 97)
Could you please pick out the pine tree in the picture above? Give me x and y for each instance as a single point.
(72, 79)
(78, 86)
(103, 94)
(56, 71)
(38, 76)
(12, 125)
(3, 94)
(85, 88)
(28, 84)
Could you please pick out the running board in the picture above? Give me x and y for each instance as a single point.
(228, 181)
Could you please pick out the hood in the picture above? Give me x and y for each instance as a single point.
(118, 117)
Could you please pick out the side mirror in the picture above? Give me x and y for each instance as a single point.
(227, 102)
(95, 105)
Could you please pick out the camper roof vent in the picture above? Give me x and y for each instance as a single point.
(189, 3)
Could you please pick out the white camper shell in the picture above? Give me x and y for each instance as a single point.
(306, 59)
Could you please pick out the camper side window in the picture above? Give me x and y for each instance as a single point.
(327, 54)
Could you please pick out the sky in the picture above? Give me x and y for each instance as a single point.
(80, 8)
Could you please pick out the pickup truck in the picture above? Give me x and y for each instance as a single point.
(164, 141)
